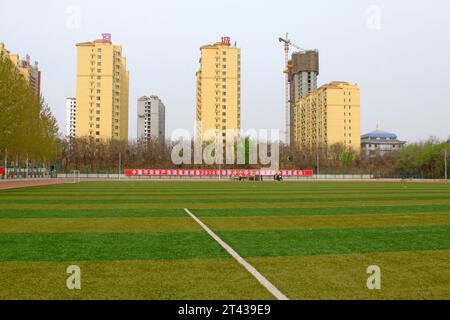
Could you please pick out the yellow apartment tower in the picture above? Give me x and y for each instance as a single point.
(102, 91)
(327, 116)
(218, 91)
(29, 71)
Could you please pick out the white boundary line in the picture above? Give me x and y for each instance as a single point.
(263, 280)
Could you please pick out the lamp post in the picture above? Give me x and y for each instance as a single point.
(445, 163)
(120, 163)
(6, 163)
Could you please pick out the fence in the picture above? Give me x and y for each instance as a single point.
(115, 176)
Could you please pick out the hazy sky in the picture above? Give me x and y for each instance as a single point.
(397, 51)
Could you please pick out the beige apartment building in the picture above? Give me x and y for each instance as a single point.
(327, 116)
(102, 93)
(218, 91)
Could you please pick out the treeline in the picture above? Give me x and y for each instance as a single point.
(419, 160)
(423, 160)
(28, 130)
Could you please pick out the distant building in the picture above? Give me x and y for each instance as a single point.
(327, 116)
(151, 118)
(71, 119)
(303, 74)
(218, 91)
(102, 91)
(380, 143)
(29, 71)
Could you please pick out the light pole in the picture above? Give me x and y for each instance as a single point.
(318, 159)
(120, 163)
(445, 163)
(6, 163)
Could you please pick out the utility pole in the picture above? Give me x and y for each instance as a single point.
(318, 161)
(445, 163)
(120, 163)
(6, 163)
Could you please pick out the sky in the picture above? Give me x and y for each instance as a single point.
(397, 51)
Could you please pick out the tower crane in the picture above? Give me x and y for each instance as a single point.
(287, 44)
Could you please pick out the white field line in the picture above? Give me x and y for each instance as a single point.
(255, 273)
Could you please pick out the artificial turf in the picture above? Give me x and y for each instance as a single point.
(313, 240)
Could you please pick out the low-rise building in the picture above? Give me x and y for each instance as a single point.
(380, 143)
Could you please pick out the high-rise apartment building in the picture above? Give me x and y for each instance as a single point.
(71, 117)
(151, 118)
(303, 73)
(102, 91)
(327, 116)
(218, 91)
(30, 71)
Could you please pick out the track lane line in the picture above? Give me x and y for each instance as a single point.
(255, 273)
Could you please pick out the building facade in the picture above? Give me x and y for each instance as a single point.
(151, 122)
(328, 116)
(303, 74)
(29, 71)
(71, 117)
(218, 107)
(380, 143)
(102, 91)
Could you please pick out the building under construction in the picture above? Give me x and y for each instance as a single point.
(303, 73)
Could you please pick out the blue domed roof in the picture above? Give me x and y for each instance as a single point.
(378, 134)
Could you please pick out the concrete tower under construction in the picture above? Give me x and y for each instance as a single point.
(303, 73)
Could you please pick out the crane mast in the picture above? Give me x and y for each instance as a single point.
(287, 44)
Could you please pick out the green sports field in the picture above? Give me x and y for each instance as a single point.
(312, 240)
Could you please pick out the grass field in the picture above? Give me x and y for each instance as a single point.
(133, 240)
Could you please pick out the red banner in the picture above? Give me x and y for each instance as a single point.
(1, 171)
(217, 173)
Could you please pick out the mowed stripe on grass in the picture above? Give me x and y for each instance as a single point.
(185, 224)
(204, 279)
(107, 246)
(141, 246)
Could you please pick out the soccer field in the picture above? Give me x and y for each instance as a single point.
(312, 240)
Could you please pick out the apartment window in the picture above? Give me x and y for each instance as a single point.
(99, 91)
(99, 64)
(99, 70)
(98, 112)
(224, 60)
(224, 93)
(97, 133)
(224, 53)
(99, 57)
(99, 50)
(98, 98)
(99, 84)
(99, 77)
(97, 126)
(224, 87)
(224, 73)
(224, 80)
(224, 66)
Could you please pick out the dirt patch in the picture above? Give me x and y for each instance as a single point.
(16, 184)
